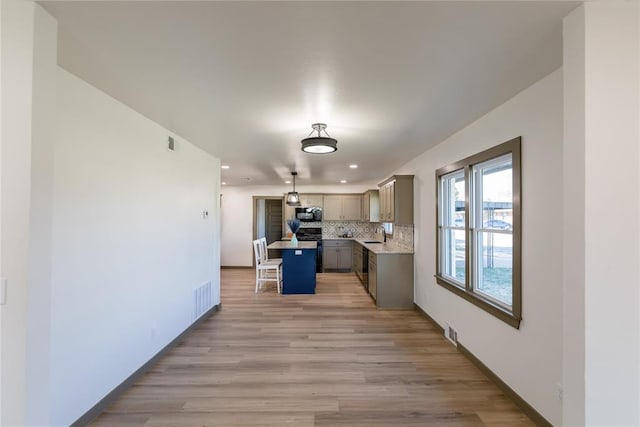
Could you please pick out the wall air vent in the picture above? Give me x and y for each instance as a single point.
(451, 334)
(202, 300)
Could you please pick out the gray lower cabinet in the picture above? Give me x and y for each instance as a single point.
(358, 260)
(337, 255)
(391, 280)
(373, 276)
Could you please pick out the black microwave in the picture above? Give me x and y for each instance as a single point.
(312, 214)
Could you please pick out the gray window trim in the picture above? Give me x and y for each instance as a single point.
(512, 317)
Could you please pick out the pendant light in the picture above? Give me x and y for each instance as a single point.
(319, 144)
(293, 198)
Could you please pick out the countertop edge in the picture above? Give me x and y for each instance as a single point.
(376, 248)
(384, 248)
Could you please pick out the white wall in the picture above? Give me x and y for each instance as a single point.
(40, 240)
(17, 78)
(237, 216)
(260, 217)
(529, 359)
(130, 244)
(612, 180)
(573, 409)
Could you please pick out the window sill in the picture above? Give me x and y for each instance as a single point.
(491, 308)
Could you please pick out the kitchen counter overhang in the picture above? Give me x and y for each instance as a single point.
(280, 244)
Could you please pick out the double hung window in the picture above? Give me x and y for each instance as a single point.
(478, 230)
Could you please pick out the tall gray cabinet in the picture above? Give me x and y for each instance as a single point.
(396, 199)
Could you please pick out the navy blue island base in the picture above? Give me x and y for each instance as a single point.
(298, 267)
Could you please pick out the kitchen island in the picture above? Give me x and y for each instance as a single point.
(298, 266)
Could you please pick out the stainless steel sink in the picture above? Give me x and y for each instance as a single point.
(371, 241)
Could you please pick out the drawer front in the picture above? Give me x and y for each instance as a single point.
(336, 243)
(373, 258)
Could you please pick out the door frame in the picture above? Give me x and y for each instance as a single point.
(254, 203)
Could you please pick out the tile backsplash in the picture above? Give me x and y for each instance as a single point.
(402, 234)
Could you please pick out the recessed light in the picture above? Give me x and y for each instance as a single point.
(343, 181)
(287, 182)
(225, 166)
(224, 183)
(353, 166)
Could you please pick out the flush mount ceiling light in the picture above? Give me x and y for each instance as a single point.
(319, 144)
(293, 198)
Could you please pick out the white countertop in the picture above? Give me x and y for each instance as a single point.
(282, 244)
(383, 248)
(376, 248)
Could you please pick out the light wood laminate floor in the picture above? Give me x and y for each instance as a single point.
(330, 359)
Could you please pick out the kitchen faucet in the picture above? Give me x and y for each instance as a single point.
(384, 233)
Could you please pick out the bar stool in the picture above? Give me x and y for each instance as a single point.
(265, 269)
(265, 251)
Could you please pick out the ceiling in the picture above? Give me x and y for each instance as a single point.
(245, 80)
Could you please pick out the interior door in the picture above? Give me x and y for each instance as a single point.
(273, 224)
(273, 220)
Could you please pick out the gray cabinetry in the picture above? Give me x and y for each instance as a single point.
(396, 199)
(386, 213)
(311, 200)
(357, 260)
(337, 255)
(371, 206)
(289, 212)
(342, 207)
(391, 280)
(373, 277)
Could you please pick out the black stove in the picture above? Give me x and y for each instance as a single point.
(309, 234)
(312, 234)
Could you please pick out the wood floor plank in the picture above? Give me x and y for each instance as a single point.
(234, 419)
(329, 359)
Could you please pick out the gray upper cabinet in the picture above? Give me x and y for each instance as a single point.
(385, 203)
(289, 211)
(342, 207)
(312, 200)
(396, 199)
(371, 206)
